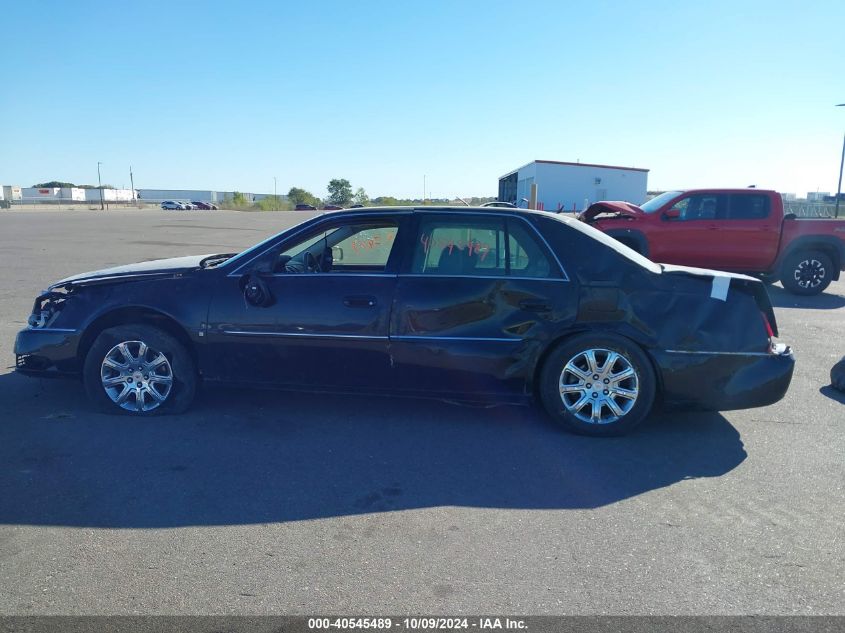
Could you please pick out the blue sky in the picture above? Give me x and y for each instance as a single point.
(227, 95)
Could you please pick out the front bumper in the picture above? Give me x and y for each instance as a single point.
(47, 352)
(721, 381)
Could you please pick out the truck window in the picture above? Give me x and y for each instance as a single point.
(702, 207)
(748, 206)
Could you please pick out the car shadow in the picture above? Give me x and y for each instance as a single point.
(825, 301)
(252, 457)
(832, 393)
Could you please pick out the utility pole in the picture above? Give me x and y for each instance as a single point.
(841, 163)
(100, 186)
(423, 189)
(275, 199)
(132, 184)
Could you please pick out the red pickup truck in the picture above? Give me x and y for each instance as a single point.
(737, 230)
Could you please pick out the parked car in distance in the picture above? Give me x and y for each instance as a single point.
(205, 206)
(172, 205)
(304, 207)
(454, 303)
(332, 207)
(498, 204)
(188, 205)
(741, 230)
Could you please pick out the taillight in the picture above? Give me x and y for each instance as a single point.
(769, 332)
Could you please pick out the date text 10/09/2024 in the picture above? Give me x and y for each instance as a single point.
(417, 623)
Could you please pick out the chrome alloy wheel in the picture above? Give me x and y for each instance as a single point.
(599, 386)
(136, 377)
(809, 273)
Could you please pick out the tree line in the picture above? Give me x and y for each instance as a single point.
(53, 184)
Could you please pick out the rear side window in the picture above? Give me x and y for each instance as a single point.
(478, 247)
(749, 206)
(447, 246)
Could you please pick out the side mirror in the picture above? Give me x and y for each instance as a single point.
(255, 289)
(672, 214)
(337, 253)
(281, 262)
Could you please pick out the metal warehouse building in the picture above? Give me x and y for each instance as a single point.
(565, 186)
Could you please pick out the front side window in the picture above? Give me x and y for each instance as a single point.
(363, 247)
(702, 207)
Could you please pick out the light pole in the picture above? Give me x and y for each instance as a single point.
(132, 184)
(841, 163)
(275, 199)
(100, 186)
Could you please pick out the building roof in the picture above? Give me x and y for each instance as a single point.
(560, 162)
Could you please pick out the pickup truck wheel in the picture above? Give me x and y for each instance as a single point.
(807, 272)
(597, 384)
(139, 370)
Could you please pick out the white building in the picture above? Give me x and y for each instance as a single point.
(572, 186)
(817, 196)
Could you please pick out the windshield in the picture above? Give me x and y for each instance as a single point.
(655, 203)
(255, 250)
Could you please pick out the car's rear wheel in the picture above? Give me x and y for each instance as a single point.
(597, 384)
(807, 272)
(139, 370)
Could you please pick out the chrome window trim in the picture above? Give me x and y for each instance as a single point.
(237, 271)
(504, 277)
(308, 275)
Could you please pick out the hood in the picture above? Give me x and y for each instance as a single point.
(614, 207)
(141, 270)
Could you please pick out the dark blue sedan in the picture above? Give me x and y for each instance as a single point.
(472, 304)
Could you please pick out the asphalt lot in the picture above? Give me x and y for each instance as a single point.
(258, 502)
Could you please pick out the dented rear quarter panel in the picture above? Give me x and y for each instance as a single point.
(699, 345)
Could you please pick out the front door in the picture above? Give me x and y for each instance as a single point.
(326, 325)
(688, 239)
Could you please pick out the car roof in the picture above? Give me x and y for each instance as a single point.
(443, 209)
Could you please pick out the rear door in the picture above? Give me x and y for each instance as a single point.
(747, 239)
(477, 299)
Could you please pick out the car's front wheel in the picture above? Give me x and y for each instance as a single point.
(139, 370)
(597, 384)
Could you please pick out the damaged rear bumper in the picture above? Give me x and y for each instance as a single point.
(721, 381)
(47, 352)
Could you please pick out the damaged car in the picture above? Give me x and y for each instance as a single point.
(468, 304)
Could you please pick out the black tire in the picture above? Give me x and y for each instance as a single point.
(813, 269)
(181, 368)
(571, 350)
